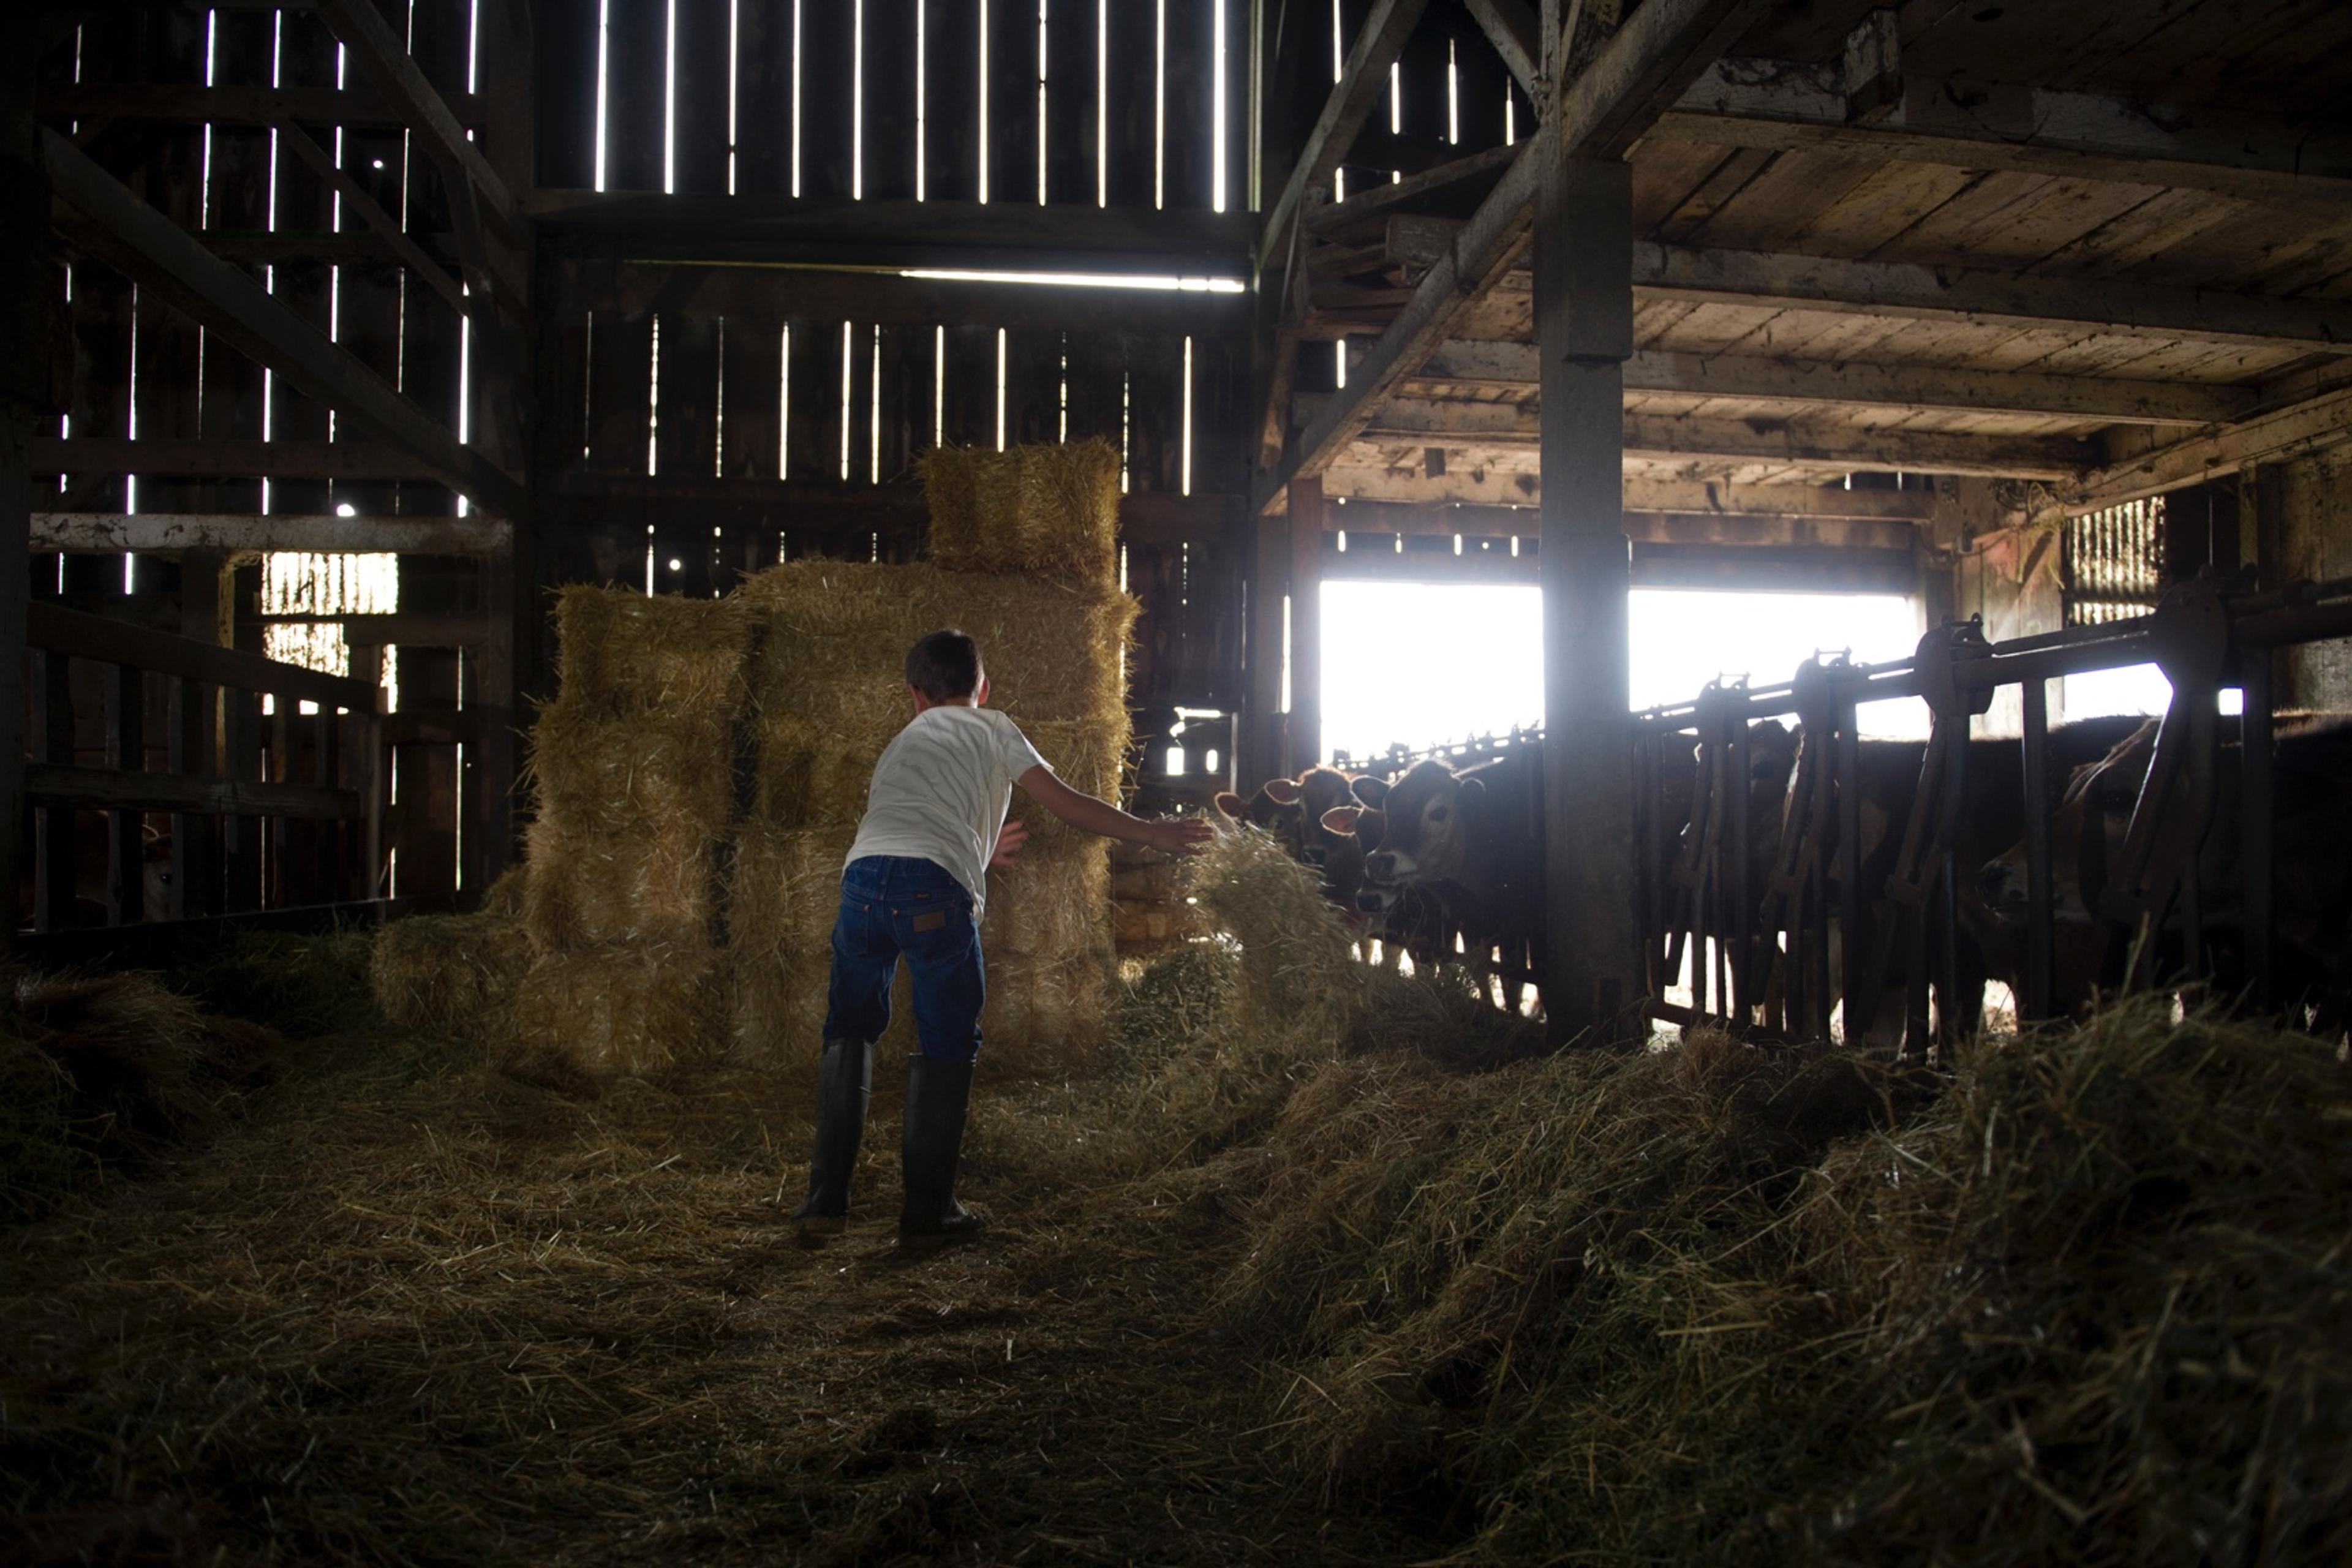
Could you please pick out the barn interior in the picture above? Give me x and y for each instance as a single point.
(468, 469)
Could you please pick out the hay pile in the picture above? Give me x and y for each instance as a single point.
(102, 1072)
(2092, 1302)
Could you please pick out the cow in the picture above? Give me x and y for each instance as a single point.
(1293, 811)
(2312, 873)
(1474, 839)
(93, 843)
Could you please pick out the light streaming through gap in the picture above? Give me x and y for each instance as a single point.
(922, 113)
(983, 52)
(857, 100)
(1102, 103)
(604, 87)
(848, 366)
(1217, 113)
(1041, 102)
(670, 100)
(1159, 112)
(1001, 342)
(1184, 475)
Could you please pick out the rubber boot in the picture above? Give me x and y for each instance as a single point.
(937, 1093)
(845, 1082)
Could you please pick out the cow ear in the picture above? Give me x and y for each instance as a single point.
(1231, 804)
(1371, 792)
(1474, 787)
(1342, 819)
(1282, 792)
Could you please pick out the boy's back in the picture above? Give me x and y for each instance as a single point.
(941, 791)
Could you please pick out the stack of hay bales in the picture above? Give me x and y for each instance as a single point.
(635, 768)
(702, 773)
(828, 693)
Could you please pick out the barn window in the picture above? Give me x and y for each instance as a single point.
(2111, 568)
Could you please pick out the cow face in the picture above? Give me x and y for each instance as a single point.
(1424, 838)
(2086, 831)
(1275, 808)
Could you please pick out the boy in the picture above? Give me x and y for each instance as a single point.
(915, 883)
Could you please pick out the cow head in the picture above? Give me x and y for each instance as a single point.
(1424, 837)
(1275, 808)
(2086, 832)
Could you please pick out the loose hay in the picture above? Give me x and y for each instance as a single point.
(1048, 511)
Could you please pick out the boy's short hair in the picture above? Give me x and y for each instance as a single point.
(944, 666)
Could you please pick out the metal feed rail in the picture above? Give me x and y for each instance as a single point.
(1697, 823)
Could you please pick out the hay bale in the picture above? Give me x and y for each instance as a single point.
(1053, 900)
(630, 1010)
(811, 775)
(453, 971)
(835, 639)
(596, 771)
(623, 652)
(782, 894)
(1043, 511)
(658, 885)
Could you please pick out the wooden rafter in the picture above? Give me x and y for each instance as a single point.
(1784, 106)
(1363, 77)
(1450, 425)
(1514, 31)
(142, 244)
(2289, 433)
(1636, 75)
(1820, 382)
(1910, 290)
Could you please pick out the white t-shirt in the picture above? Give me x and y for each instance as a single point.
(940, 791)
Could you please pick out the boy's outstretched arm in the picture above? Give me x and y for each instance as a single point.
(1180, 835)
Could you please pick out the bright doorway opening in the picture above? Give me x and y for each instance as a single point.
(1422, 664)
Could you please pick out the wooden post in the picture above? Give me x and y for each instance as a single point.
(1304, 735)
(24, 377)
(1269, 583)
(1584, 328)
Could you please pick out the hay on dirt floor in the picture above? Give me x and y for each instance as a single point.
(455, 972)
(1045, 511)
(99, 1071)
(1717, 1303)
(631, 1010)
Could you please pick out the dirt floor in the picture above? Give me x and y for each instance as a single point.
(411, 1310)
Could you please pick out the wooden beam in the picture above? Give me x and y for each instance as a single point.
(1910, 291)
(77, 635)
(233, 105)
(1373, 206)
(26, 288)
(934, 235)
(1512, 28)
(1351, 487)
(1784, 106)
(168, 533)
(140, 242)
(107, 789)
(1638, 73)
(1363, 78)
(2288, 434)
(1731, 530)
(385, 62)
(1303, 745)
(770, 292)
(1878, 386)
(227, 459)
(1584, 324)
(385, 228)
(1657, 437)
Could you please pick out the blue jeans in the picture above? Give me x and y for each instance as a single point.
(891, 905)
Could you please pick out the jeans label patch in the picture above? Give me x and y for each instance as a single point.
(935, 921)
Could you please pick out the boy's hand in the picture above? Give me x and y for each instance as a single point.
(1009, 840)
(1182, 836)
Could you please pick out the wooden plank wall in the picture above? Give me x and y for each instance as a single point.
(141, 369)
(722, 426)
